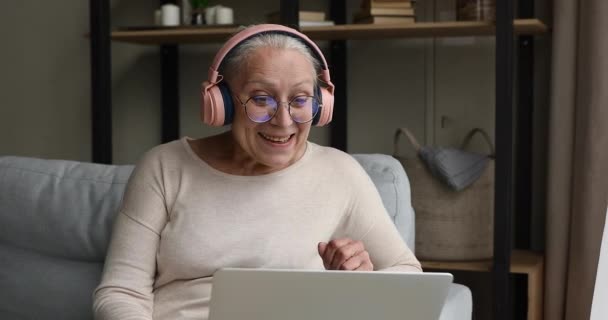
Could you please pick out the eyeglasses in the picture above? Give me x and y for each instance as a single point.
(262, 108)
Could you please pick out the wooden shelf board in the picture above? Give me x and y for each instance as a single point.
(522, 262)
(338, 32)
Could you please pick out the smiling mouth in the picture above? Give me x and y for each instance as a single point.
(273, 139)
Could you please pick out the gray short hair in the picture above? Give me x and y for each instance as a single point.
(235, 60)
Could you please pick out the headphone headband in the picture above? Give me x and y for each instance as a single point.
(256, 30)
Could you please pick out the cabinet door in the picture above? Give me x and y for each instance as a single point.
(464, 89)
(386, 90)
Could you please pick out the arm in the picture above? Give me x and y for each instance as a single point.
(367, 233)
(125, 291)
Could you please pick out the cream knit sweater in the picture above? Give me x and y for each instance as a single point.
(181, 220)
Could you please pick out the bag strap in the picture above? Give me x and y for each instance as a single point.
(410, 138)
(486, 137)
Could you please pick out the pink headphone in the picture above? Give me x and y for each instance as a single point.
(217, 108)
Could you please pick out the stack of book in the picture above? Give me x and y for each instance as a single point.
(386, 11)
(476, 10)
(307, 18)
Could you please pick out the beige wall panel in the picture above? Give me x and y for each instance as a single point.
(44, 80)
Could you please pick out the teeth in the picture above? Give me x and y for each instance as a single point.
(276, 139)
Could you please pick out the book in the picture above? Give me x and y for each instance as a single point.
(365, 14)
(316, 23)
(304, 16)
(386, 19)
(377, 4)
(390, 11)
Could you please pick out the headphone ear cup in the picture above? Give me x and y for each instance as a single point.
(216, 104)
(319, 95)
(324, 115)
(212, 105)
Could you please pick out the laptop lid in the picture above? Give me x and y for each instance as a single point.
(271, 294)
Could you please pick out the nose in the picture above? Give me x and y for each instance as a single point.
(282, 117)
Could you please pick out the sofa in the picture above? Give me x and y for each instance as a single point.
(55, 223)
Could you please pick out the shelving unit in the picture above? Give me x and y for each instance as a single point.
(505, 29)
(339, 32)
(522, 262)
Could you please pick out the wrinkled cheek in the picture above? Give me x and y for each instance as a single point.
(303, 132)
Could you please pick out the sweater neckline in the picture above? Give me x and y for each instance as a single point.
(207, 166)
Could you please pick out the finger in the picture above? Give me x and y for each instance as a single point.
(332, 248)
(346, 252)
(333, 252)
(365, 266)
(321, 247)
(357, 262)
(353, 263)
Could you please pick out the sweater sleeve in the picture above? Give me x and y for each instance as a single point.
(126, 288)
(366, 220)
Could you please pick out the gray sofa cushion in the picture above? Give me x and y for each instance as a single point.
(36, 286)
(60, 208)
(394, 187)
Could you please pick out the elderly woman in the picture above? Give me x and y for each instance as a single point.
(257, 196)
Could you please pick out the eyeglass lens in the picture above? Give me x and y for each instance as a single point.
(302, 109)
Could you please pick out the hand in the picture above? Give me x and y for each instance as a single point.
(345, 254)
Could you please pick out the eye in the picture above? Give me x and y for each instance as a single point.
(301, 101)
(262, 101)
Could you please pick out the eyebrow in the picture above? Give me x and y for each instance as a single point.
(271, 84)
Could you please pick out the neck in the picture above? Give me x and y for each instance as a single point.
(223, 153)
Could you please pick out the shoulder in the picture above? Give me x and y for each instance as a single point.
(167, 154)
(329, 154)
(336, 161)
(163, 152)
(161, 159)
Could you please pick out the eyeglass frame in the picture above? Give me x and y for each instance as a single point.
(278, 104)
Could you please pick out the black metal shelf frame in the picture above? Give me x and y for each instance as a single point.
(503, 185)
(508, 144)
(101, 81)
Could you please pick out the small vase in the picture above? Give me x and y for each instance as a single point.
(198, 17)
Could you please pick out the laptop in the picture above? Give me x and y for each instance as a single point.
(278, 294)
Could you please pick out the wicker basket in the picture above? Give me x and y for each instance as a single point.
(450, 225)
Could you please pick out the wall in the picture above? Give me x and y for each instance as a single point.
(44, 80)
(46, 83)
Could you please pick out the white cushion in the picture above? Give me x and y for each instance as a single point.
(458, 305)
